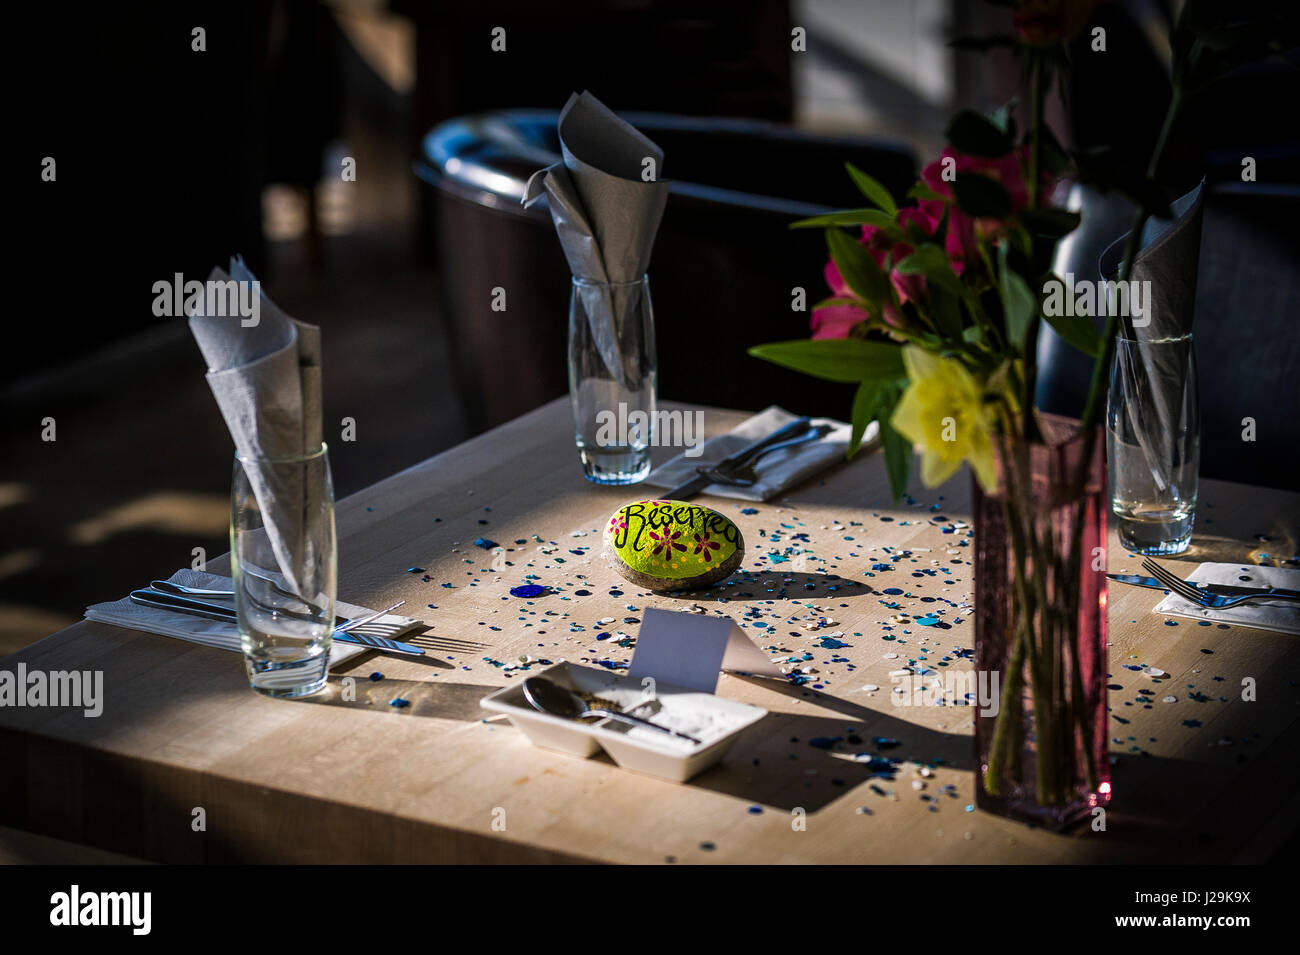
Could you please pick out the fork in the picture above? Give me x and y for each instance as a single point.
(1201, 597)
(815, 433)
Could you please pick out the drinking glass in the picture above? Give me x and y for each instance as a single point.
(612, 374)
(284, 561)
(1153, 441)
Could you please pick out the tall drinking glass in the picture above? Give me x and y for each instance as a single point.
(612, 372)
(284, 562)
(1153, 439)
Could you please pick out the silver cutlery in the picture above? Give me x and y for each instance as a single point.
(1206, 597)
(1224, 590)
(181, 590)
(735, 462)
(716, 476)
(548, 697)
(198, 608)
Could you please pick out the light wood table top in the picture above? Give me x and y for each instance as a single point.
(327, 780)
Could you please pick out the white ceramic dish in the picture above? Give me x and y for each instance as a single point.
(714, 720)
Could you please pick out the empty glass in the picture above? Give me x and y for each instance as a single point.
(1154, 443)
(284, 562)
(612, 371)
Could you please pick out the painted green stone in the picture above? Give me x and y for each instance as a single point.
(672, 545)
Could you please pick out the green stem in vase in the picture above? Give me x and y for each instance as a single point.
(1007, 724)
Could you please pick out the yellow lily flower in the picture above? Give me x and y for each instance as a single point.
(943, 414)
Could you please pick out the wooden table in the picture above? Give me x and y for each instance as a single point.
(332, 780)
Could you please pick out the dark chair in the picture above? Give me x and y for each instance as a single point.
(724, 266)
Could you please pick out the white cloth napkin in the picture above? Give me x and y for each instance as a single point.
(1280, 615)
(775, 472)
(216, 633)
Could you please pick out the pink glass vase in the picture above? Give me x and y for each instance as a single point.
(1040, 629)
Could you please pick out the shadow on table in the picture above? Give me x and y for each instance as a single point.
(776, 584)
(350, 687)
(788, 760)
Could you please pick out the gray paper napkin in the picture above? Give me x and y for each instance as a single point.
(606, 213)
(1168, 260)
(1282, 616)
(216, 633)
(775, 472)
(266, 378)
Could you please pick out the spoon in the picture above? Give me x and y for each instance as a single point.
(547, 697)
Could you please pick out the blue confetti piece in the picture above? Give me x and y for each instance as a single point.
(749, 510)
(376, 677)
(529, 590)
(486, 543)
(399, 703)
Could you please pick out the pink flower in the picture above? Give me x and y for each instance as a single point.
(965, 232)
(836, 321)
(1048, 22)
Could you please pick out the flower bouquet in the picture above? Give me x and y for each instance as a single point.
(934, 314)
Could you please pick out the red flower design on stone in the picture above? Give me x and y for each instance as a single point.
(703, 545)
(666, 542)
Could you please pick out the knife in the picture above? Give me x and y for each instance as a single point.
(738, 460)
(201, 608)
(1222, 590)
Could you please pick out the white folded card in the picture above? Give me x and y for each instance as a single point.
(688, 649)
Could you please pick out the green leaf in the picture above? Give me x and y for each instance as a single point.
(1019, 304)
(865, 402)
(975, 135)
(1078, 331)
(857, 267)
(848, 217)
(898, 454)
(932, 262)
(1003, 119)
(848, 360)
(945, 308)
(872, 189)
(1052, 223)
(922, 192)
(981, 197)
(835, 300)
(945, 288)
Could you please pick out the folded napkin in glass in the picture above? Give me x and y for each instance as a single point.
(1280, 615)
(217, 633)
(773, 473)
